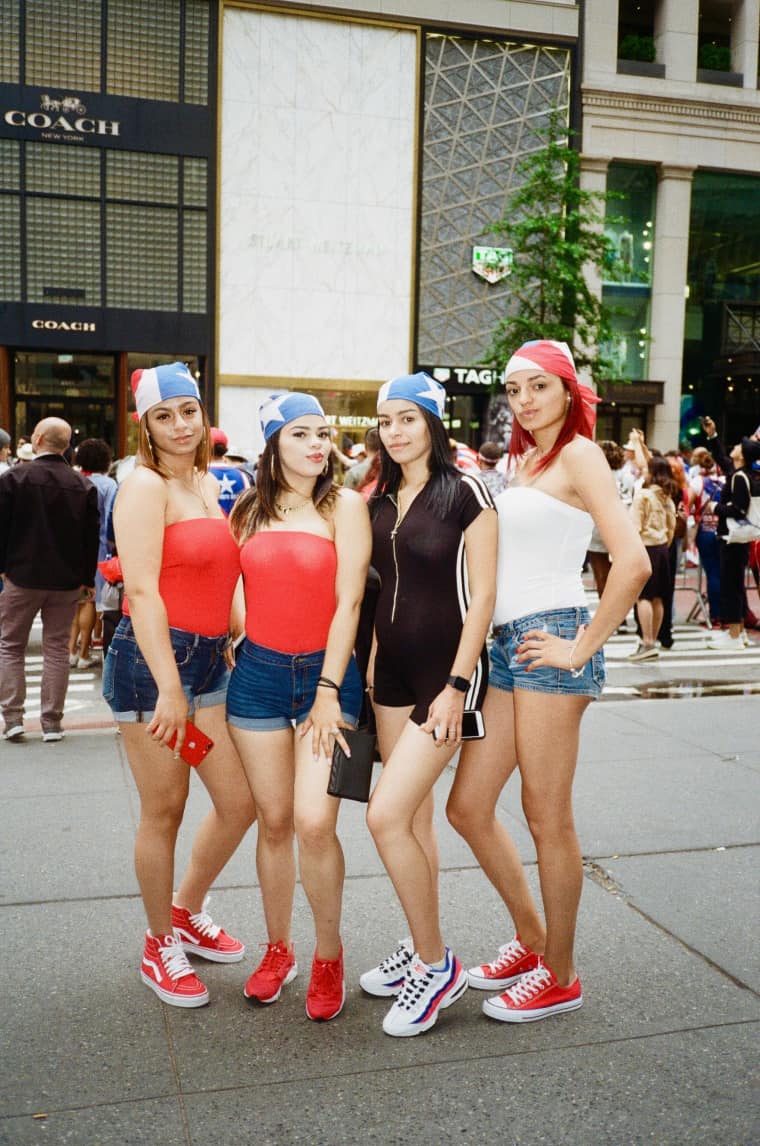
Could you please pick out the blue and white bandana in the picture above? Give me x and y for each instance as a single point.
(285, 406)
(419, 388)
(161, 382)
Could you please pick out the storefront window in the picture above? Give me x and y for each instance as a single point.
(63, 44)
(627, 281)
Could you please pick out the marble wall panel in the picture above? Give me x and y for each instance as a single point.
(317, 197)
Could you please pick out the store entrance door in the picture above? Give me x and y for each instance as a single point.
(80, 388)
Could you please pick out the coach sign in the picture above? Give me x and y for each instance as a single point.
(61, 119)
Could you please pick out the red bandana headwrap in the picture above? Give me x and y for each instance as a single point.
(555, 358)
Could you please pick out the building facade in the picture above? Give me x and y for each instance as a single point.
(300, 195)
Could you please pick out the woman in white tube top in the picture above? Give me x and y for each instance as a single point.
(546, 666)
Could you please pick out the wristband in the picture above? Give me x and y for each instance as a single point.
(460, 683)
(574, 672)
(325, 682)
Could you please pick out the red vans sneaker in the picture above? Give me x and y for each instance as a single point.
(165, 969)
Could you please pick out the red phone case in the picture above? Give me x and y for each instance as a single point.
(196, 746)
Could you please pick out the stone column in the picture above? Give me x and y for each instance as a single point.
(593, 177)
(600, 28)
(668, 301)
(676, 36)
(744, 31)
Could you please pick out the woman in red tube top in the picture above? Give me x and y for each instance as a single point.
(166, 663)
(305, 546)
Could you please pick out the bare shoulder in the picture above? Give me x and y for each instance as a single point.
(350, 503)
(143, 482)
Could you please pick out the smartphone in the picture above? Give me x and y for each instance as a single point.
(196, 747)
(473, 726)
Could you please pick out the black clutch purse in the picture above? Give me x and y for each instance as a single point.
(351, 776)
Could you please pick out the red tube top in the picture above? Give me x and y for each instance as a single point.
(289, 590)
(200, 566)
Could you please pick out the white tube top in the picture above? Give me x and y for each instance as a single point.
(542, 547)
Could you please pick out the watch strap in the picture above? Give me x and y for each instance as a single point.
(460, 683)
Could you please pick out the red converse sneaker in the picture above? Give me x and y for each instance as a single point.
(166, 971)
(513, 960)
(277, 968)
(327, 989)
(199, 935)
(536, 995)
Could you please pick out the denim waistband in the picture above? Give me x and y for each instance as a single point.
(285, 660)
(180, 638)
(579, 613)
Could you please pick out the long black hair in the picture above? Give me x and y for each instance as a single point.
(443, 473)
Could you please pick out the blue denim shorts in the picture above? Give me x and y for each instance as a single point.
(130, 690)
(508, 673)
(270, 690)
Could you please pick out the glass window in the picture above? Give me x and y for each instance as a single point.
(196, 51)
(63, 44)
(194, 262)
(142, 256)
(63, 251)
(10, 170)
(194, 182)
(629, 352)
(143, 49)
(10, 246)
(631, 222)
(142, 178)
(63, 169)
(9, 44)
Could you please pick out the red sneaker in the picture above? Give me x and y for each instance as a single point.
(513, 960)
(277, 968)
(166, 971)
(327, 989)
(199, 935)
(535, 996)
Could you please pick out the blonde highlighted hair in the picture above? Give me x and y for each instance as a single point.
(147, 458)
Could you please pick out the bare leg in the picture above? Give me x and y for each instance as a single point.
(162, 783)
(484, 768)
(268, 761)
(650, 619)
(320, 855)
(390, 724)
(600, 567)
(547, 732)
(408, 777)
(232, 813)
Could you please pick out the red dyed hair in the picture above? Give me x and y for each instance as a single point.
(580, 419)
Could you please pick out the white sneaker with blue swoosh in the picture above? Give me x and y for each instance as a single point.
(426, 991)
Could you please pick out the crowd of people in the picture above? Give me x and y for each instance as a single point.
(265, 614)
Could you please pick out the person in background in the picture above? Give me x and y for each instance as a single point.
(653, 514)
(598, 556)
(355, 478)
(93, 459)
(546, 667)
(705, 487)
(232, 480)
(489, 456)
(48, 553)
(434, 548)
(5, 450)
(304, 551)
(681, 501)
(167, 664)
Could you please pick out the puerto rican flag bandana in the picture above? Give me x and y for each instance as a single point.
(161, 382)
(419, 388)
(543, 354)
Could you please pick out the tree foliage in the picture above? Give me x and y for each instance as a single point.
(555, 230)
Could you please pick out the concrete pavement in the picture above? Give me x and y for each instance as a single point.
(663, 1049)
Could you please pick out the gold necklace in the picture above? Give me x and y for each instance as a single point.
(285, 510)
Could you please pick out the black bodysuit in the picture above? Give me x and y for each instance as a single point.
(423, 598)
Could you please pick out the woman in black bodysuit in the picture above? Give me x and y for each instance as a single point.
(434, 546)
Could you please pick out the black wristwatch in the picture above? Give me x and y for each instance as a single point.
(460, 683)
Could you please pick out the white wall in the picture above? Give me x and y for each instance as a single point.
(317, 198)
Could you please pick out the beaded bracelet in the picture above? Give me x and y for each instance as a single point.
(325, 682)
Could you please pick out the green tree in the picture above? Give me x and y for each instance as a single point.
(555, 230)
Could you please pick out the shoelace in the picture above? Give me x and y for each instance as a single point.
(174, 959)
(527, 987)
(400, 957)
(275, 960)
(327, 974)
(203, 923)
(509, 953)
(414, 988)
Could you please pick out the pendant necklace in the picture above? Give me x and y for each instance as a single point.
(286, 510)
(194, 487)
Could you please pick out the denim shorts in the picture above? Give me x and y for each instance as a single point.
(508, 673)
(270, 690)
(130, 690)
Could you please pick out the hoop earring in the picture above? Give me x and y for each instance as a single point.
(150, 446)
(326, 466)
(271, 467)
